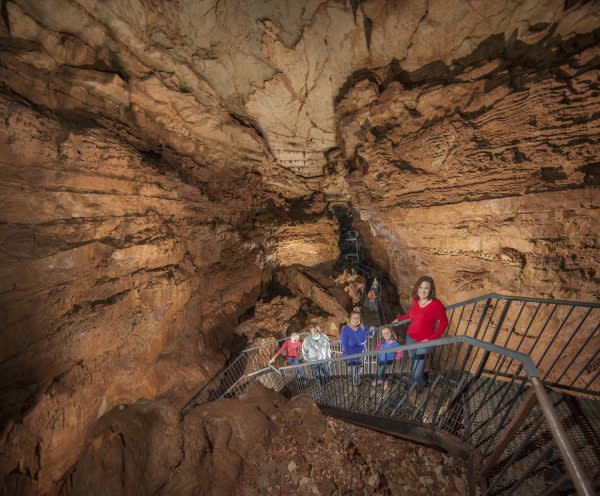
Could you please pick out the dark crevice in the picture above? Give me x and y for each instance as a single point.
(249, 123)
(368, 26)
(521, 64)
(353, 80)
(4, 14)
(355, 4)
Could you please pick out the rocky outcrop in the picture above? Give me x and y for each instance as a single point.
(240, 83)
(264, 444)
(442, 107)
(306, 286)
(119, 280)
(271, 319)
(309, 243)
(487, 181)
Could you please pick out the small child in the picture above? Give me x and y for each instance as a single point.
(384, 360)
(291, 349)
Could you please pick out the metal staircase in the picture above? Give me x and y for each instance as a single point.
(513, 389)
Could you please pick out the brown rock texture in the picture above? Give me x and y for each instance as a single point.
(302, 284)
(244, 82)
(487, 181)
(302, 243)
(271, 319)
(264, 444)
(160, 159)
(119, 280)
(441, 105)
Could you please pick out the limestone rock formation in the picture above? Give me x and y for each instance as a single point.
(263, 444)
(271, 319)
(354, 285)
(487, 181)
(302, 243)
(113, 287)
(240, 82)
(442, 105)
(160, 159)
(302, 284)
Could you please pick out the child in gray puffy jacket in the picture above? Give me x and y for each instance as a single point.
(316, 347)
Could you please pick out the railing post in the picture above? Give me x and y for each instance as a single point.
(479, 324)
(579, 478)
(486, 355)
(482, 318)
(509, 432)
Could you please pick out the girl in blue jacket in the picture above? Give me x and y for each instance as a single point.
(384, 360)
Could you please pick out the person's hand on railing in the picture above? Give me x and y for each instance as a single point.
(272, 361)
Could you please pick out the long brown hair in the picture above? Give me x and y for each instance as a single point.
(392, 333)
(421, 279)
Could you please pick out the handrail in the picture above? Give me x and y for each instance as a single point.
(578, 476)
(458, 305)
(582, 483)
(523, 298)
(526, 360)
(267, 343)
(469, 320)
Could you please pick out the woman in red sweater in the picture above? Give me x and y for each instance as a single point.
(428, 321)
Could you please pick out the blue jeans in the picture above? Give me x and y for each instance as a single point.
(321, 372)
(417, 363)
(373, 305)
(355, 369)
(299, 370)
(381, 368)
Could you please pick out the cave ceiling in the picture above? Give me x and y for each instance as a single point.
(247, 84)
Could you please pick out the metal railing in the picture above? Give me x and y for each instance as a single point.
(561, 337)
(232, 379)
(456, 408)
(482, 393)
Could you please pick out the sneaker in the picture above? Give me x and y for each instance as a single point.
(374, 383)
(380, 382)
(356, 390)
(386, 385)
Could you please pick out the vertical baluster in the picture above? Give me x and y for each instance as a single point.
(542, 332)
(559, 354)
(446, 386)
(495, 334)
(576, 355)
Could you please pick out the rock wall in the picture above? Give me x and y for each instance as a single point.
(244, 82)
(431, 104)
(487, 180)
(119, 280)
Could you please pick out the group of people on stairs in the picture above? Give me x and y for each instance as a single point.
(428, 321)
(315, 347)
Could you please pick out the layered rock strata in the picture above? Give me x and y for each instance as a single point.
(240, 82)
(119, 280)
(464, 134)
(489, 180)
